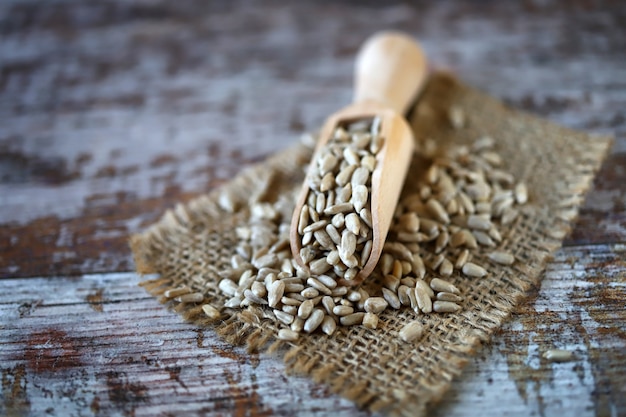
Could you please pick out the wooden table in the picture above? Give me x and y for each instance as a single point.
(111, 112)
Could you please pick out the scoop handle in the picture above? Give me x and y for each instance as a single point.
(390, 69)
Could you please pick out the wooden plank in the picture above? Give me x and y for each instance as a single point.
(113, 111)
(97, 344)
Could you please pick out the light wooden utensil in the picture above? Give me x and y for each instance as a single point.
(390, 71)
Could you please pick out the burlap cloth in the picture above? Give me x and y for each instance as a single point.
(376, 370)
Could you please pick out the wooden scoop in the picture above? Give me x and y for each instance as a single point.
(389, 73)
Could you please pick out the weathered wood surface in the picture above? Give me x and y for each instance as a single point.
(111, 112)
(99, 345)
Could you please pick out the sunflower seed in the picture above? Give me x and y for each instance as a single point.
(258, 288)
(353, 224)
(452, 207)
(399, 250)
(417, 265)
(324, 239)
(391, 298)
(361, 140)
(360, 176)
(503, 258)
(447, 296)
(478, 222)
(391, 282)
(456, 117)
(366, 216)
(440, 285)
(403, 295)
(495, 234)
(342, 310)
(386, 263)
(315, 226)
(508, 216)
(233, 302)
(351, 273)
(275, 293)
(343, 195)
(344, 175)
(436, 261)
(328, 304)
(429, 227)
(338, 220)
(339, 291)
(375, 305)
(408, 281)
(305, 309)
(253, 297)
(284, 317)
(437, 210)
(499, 176)
(396, 271)
(352, 319)
(328, 182)
(422, 296)
(521, 193)
(318, 266)
(340, 134)
(327, 163)
(366, 252)
(558, 355)
(307, 254)
(483, 238)
(359, 198)
(466, 203)
(314, 320)
(413, 300)
(461, 259)
(211, 312)
(329, 325)
(501, 206)
(338, 208)
(411, 331)
(320, 203)
(315, 283)
(351, 157)
(290, 301)
(432, 175)
(377, 143)
(370, 321)
(442, 241)
(369, 162)
(483, 143)
(445, 307)
(309, 292)
(364, 297)
(227, 286)
(446, 268)
(472, 270)
(288, 335)
(293, 287)
(479, 191)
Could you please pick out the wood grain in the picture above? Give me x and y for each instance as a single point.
(179, 97)
(99, 345)
(112, 111)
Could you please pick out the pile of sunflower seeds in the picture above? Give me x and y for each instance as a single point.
(454, 209)
(335, 223)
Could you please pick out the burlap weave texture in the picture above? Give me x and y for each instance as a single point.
(193, 242)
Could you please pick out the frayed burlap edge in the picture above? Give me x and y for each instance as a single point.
(370, 367)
